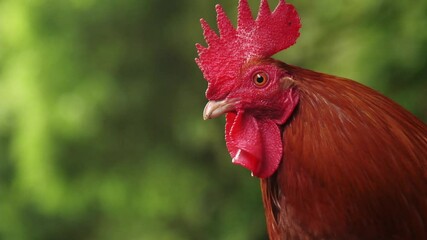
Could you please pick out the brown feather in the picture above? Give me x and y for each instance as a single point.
(354, 166)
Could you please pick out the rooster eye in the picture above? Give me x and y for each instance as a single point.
(260, 79)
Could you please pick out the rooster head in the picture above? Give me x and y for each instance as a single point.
(244, 82)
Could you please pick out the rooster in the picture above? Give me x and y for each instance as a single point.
(336, 159)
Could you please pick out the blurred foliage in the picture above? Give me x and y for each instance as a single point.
(101, 134)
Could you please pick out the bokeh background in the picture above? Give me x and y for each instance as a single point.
(101, 130)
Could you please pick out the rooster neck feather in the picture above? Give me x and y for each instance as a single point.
(354, 166)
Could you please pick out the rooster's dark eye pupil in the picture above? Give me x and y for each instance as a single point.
(260, 79)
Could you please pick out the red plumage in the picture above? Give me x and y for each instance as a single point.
(336, 159)
(354, 166)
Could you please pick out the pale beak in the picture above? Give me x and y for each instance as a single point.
(215, 109)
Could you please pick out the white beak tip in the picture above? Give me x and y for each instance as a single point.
(206, 117)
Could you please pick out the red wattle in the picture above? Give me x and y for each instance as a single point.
(253, 143)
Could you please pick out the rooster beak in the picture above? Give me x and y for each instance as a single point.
(215, 109)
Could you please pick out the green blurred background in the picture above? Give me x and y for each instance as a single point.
(101, 130)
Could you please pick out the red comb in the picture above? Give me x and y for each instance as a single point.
(262, 37)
